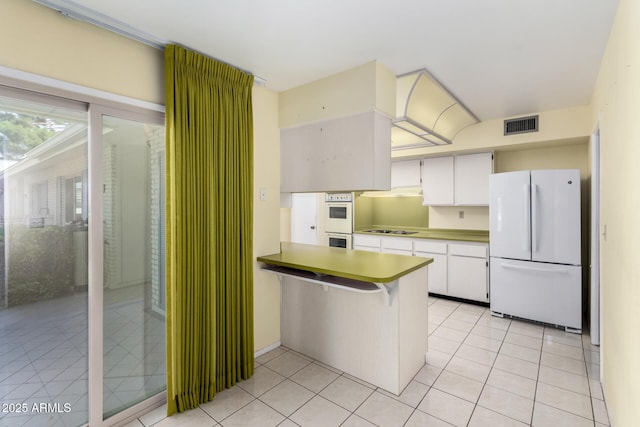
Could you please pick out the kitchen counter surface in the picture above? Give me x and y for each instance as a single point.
(481, 236)
(351, 264)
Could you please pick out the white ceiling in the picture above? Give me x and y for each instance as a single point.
(499, 57)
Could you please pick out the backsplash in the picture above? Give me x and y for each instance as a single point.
(409, 212)
(450, 217)
(390, 212)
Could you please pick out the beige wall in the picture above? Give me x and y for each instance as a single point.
(473, 217)
(541, 155)
(616, 102)
(361, 89)
(266, 215)
(571, 156)
(556, 127)
(39, 40)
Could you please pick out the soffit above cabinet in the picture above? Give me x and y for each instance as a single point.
(369, 87)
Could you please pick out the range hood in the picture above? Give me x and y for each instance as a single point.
(426, 113)
(395, 192)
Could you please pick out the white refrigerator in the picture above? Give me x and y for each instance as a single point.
(534, 244)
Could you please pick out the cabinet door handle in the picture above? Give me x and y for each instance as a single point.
(313, 227)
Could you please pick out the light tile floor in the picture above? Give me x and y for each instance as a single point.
(481, 371)
(43, 357)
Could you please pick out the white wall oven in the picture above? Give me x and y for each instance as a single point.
(339, 219)
(339, 213)
(339, 240)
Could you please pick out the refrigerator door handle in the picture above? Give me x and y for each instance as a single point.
(526, 230)
(536, 269)
(534, 218)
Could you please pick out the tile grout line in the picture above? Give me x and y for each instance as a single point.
(487, 379)
(450, 357)
(449, 361)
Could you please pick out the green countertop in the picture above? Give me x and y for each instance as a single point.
(481, 236)
(352, 264)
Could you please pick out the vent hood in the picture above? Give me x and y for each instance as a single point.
(395, 192)
(426, 113)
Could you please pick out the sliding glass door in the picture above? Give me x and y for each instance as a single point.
(43, 261)
(134, 329)
(82, 335)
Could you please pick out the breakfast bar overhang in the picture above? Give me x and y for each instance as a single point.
(364, 313)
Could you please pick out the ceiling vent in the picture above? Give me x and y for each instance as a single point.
(521, 125)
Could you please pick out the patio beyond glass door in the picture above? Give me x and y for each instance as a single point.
(133, 206)
(43, 261)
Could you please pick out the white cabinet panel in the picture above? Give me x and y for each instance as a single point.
(467, 278)
(433, 246)
(366, 248)
(437, 272)
(343, 154)
(396, 251)
(437, 181)
(471, 180)
(363, 240)
(366, 243)
(397, 243)
(459, 269)
(461, 180)
(468, 249)
(405, 174)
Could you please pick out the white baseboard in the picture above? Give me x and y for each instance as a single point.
(267, 349)
(130, 414)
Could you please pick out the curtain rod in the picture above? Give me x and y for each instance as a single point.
(79, 12)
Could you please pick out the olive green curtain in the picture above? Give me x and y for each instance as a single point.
(209, 227)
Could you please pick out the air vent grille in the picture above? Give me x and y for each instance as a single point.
(521, 125)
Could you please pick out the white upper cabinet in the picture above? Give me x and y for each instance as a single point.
(461, 180)
(405, 174)
(335, 133)
(437, 181)
(344, 154)
(472, 178)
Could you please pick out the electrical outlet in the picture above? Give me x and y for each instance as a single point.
(461, 214)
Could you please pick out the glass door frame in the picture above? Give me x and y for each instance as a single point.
(96, 259)
(99, 103)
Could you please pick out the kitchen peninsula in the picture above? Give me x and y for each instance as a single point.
(361, 312)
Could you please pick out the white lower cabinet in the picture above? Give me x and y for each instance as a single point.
(468, 271)
(468, 278)
(437, 272)
(459, 269)
(366, 243)
(438, 269)
(395, 245)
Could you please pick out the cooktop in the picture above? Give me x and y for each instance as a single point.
(390, 231)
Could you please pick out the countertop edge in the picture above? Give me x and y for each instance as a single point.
(475, 236)
(426, 261)
(275, 259)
